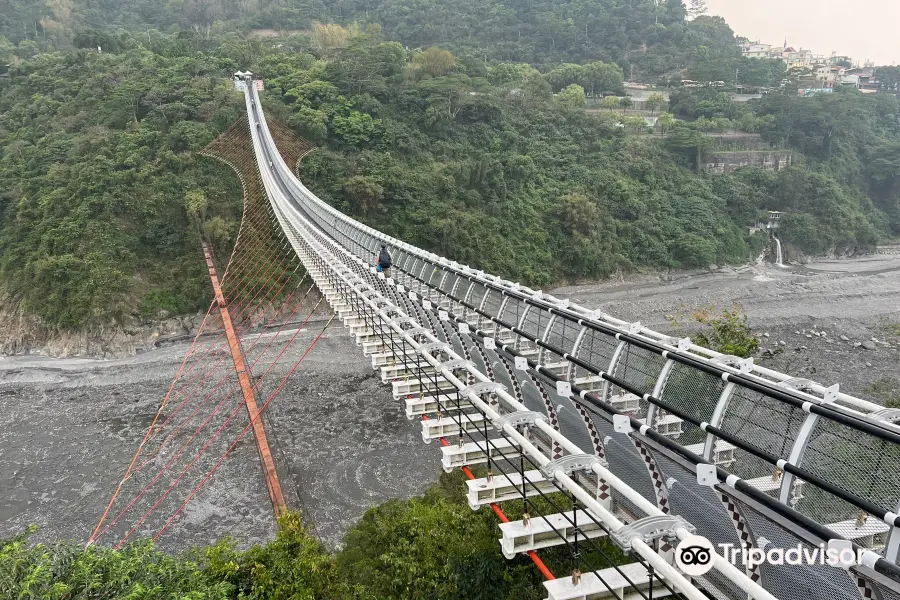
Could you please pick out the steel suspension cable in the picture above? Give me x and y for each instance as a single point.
(206, 446)
(246, 428)
(206, 422)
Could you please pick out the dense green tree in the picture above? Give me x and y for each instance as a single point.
(96, 169)
(600, 77)
(888, 78)
(610, 102)
(654, 102)
(697, 8)
(644, 38)
(759, 72)
(636, 123)
(433, 62)
(688, 142)
(665, 121)
(572, 96)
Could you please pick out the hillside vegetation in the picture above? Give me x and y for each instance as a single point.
(465, 149)
(645, 38)
(433, 547)
(478, 161)
(98, 156)
(845, 195)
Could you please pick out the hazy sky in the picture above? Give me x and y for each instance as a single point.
(859, 28)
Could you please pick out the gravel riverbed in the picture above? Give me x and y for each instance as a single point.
(69, 427)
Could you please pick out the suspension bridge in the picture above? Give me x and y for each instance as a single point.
(633, 436)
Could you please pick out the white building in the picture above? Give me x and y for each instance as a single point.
(755, 50)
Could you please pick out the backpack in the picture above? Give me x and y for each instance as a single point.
(384, 258)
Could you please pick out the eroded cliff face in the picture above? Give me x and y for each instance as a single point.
(23, 333)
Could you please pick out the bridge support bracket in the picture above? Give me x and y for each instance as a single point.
(650, 529)
(572, 463)
(520, 417)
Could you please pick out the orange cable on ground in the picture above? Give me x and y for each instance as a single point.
(545, 571)
(259, 430)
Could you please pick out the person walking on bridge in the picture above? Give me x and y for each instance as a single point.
(384, 261)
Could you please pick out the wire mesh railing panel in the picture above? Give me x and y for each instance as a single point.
(702, 507)
(512, 311)
(548, 357)
(596, 349)
(627, 464)
(694, 393)
(796, 581)
(439, 333)
(531, 396)
(562, 334)
(456, 342)
(763, 422)
(859, 463)
(887, 594)
(501, 375)
(476, 294)
(571, 423)
(492, 303)
(639, 368)
(476, 358)
(449, 284)
(433, 276)
(535, 321)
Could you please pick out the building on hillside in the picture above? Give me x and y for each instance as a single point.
(782, 52)
(755, 50)
(794, 58)
(829, 76)
(835, 74)
(774, 219)
(799, 59)
(4, 70)
(864, 83)
(827, 70)
(862, 79)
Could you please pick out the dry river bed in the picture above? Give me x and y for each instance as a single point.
(69, 427)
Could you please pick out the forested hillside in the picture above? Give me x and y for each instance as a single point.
(646, 38)
(493, 163)
(482, 164)
(846, 194)
(98, 156)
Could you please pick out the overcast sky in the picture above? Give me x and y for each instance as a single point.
(859, 28)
